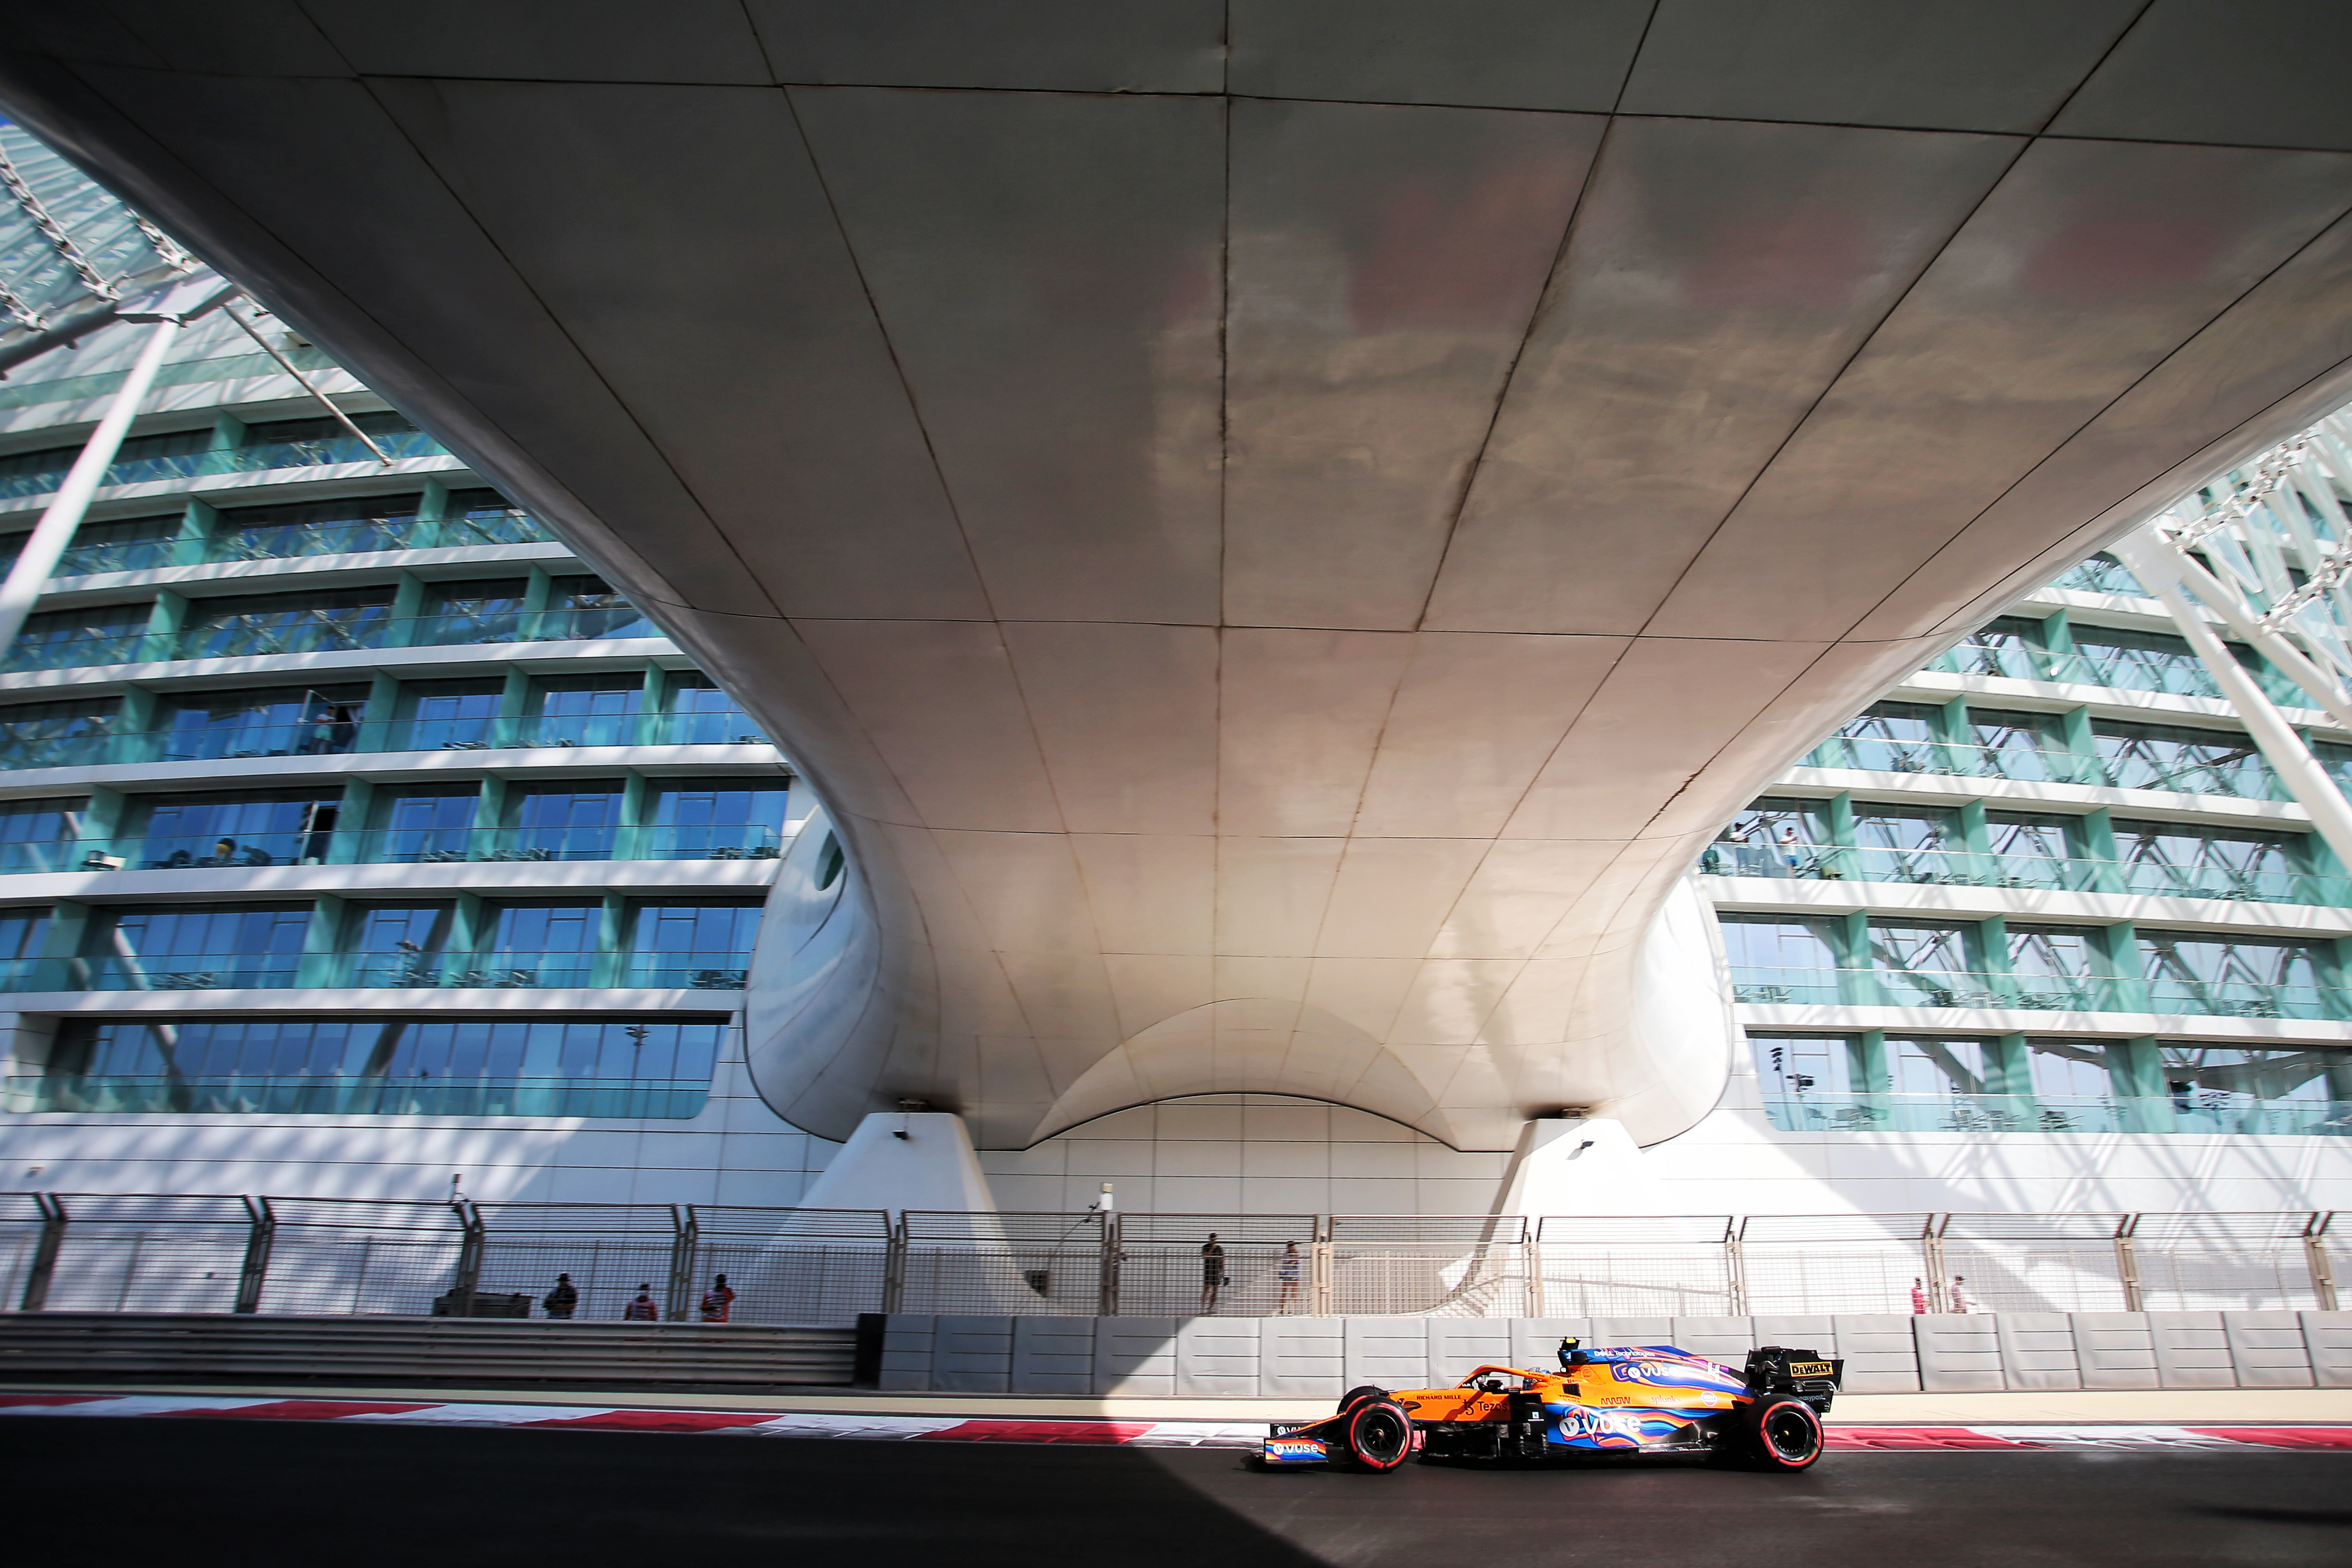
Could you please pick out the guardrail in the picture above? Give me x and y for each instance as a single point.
(148, 1349)
(1316, 1358)
(345, 1256)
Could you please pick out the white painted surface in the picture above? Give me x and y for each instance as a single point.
(1578, 1165)
(904, 1160)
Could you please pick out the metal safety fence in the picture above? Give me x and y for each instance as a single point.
(789, 1267)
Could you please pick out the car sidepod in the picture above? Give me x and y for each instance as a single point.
(1641, 1398)
(1595, 1430)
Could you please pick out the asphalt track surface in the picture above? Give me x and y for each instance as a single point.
(161, 1490)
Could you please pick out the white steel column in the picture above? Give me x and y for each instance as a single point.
(56, 529)
(2304, 779)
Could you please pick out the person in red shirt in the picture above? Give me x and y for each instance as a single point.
(718, 1301)
(644, 1310)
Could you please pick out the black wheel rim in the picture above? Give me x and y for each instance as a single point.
(1788, 1434)
(1380, 1437)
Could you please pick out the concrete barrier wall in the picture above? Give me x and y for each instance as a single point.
(1320, 1358)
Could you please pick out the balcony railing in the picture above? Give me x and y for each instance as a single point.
(2248, 778)
(37, 652)
(330, 631)
(165, 972)
(377, 971)
(540, 971)
(2037, 993)
(1961, 868)
(239, 460)
(322, 738)
(358, 1096)
(2201, 1111)
(392, 846)
(2179, 675)
(358, 537)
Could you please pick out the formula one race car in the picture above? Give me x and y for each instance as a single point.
(1645, 1400)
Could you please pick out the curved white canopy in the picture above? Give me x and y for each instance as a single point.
(1275, 547)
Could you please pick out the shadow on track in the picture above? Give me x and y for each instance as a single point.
(99, 1493)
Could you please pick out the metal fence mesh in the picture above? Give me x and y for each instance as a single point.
(151, 1253)
(817, 1267)
(21, 1220)
(813, 1267)
(609, 1249)
(335, 1255)
(1439, 1266)
(1001, 1265)
(1610, 1267)
(2223, 1262)
(1799, 1264)
(2032, 1263)
(1265, 1264)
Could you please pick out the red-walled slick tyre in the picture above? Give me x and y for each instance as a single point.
(1781, 1434)
(1378, 1435)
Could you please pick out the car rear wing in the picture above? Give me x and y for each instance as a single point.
(1808, 1374)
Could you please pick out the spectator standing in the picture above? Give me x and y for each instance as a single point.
(718, 1301)
(563, 1299)
(1212, 1273)
(1961, 1302)
(1287, 1271)
(643, 1310)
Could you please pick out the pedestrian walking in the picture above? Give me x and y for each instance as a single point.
(1961, 1302)
(1918, 1297)
(1287, 1271)
(643, 1310)
(1212, 1273)
(718, 1301)
(561, 1300)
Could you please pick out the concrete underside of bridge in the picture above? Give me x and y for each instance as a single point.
(1276, 529)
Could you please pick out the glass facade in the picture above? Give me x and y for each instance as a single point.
(2058, 819)
(451, 742)
(1890, 1082)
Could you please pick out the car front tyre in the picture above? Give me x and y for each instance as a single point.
(1378, 1435)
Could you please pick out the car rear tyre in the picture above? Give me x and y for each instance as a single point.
(1378, 1435)
(1781, 1434)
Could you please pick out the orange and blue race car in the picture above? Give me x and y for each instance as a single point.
(1646, 1401)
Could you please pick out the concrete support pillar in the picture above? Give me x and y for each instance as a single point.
(901, 1159)
(1569, 1165)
